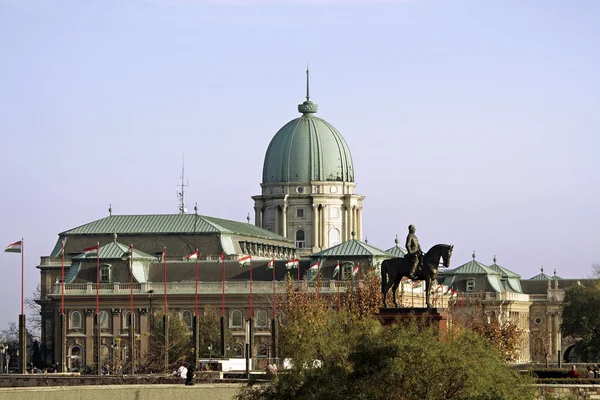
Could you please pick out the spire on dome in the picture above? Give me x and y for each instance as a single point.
(308, 107)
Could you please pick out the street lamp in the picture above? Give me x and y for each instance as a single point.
(210, 347)
(3, 354)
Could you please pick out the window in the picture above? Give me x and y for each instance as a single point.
(235, 319)
(126, 320)
(104, 355)
(300, 239)
(299, 189)
(186, 317)
(75, 320)
(238, 351)
(470, 285)
(105, 273)
(335, 212)
(299, 212)
(75, 361)
(103, 320)
(334, 237)
(262, 319)
(262, 351)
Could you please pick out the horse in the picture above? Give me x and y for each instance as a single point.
(396, 268)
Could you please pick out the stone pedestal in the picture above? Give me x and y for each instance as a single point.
(437, 317)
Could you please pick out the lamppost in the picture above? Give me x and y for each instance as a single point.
(3, 352)
(210, 348)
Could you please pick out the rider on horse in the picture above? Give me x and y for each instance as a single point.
(415, 254)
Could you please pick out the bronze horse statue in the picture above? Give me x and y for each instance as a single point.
(393, 269)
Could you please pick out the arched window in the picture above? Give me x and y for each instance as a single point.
(104, 355)
(236, 319)
(103, 320)
(334, 237)
(75, 360)
(262, 319)
(300, 239)
(262, 351)
(126, 319)
(186, 317)
(238, 351)
(75, 320)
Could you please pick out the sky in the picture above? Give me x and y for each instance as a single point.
(476, 121)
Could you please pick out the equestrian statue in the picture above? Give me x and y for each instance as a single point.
(414, 265)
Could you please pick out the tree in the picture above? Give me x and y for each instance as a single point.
(34, 317)
(359, 358)
(209, 333)
(579, 319)
(180, 344)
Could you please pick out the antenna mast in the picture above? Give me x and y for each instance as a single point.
(180, 194)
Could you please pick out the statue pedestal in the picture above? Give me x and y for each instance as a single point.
(437, 317)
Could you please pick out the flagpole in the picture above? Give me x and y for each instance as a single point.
(298, 266)
(98, 278)
(196, 312)
(131, 282)
(318, 280)
(223, 286)
(164, 257)
(62, 295)
(251, 313)
(274, 296)
(22, 276)
(339, 283)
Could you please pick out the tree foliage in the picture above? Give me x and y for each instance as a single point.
(580, 319)
(180, 344)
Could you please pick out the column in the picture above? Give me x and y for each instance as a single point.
(344, 222)
(350, 221)
(277, 231)
(359, 222)
(315, 236)
(257, 220)
(548, 337)
(284, 221)
(324, 241)
(555, 334)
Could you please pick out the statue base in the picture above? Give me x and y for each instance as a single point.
(438, 317)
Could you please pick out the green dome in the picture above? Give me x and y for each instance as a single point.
(308, 149)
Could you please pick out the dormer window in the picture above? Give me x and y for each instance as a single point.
(471, 285)
(104, 273)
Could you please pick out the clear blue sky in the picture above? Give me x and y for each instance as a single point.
(477, 121)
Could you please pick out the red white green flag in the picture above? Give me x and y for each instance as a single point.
(222, 257)
(295, 263)
(14, 247)
(245, 260)
(314, 267)
(193, 256)
(355, 270)
(271, 263)
(336, 270)
(91, 250)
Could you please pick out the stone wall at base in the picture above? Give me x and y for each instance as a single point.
(545, 392)
(48, 380)
(224, 391)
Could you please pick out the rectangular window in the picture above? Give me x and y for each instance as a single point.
(471, 285)
(299, 212)
(104, 274)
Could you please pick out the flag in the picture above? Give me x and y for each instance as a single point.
(192, 257)
(14, 247)
(454, 295)
(404, 279)
(336, 270)
(355, 270)
(163, 256)
(271, 263)
(222, 257)
(314, 267)
(295, 263)
(91, 250)
(417, 283)
(245, 260)
(439, 288)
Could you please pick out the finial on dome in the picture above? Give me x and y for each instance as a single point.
(115, 237)
(494, 259)
(110, 209)
(248, 217)
(396, 241)
(307, 84)
(555, 272)
(352, 233)
(308, 107)
(196, 208)
(542, 269)
(473, 255)
(366, 240)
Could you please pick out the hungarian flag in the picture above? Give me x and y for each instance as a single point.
(439, 288)
(417, 283)
(454, 294)
(355, 270)
(314, 267)
(295, 263)
(14, 247)
(404, 279)
(271, 263)
(163, 256)
(222, 257)
(193, 256)
(336, 270)
(245, 260)
(91, 250)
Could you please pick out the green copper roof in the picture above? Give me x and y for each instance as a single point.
(505, 272)
(116, 250)
(170, 224)
(308, 149)
(473, 267)
(397, 251)
(352, 247)
(543, 277)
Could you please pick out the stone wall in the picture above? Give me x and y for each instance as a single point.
(546, 392)
(224, 391)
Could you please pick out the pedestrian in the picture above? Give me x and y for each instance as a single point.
(190, 375)
(182, 371)
(573, 372)
(590, 372)
(596, 371)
